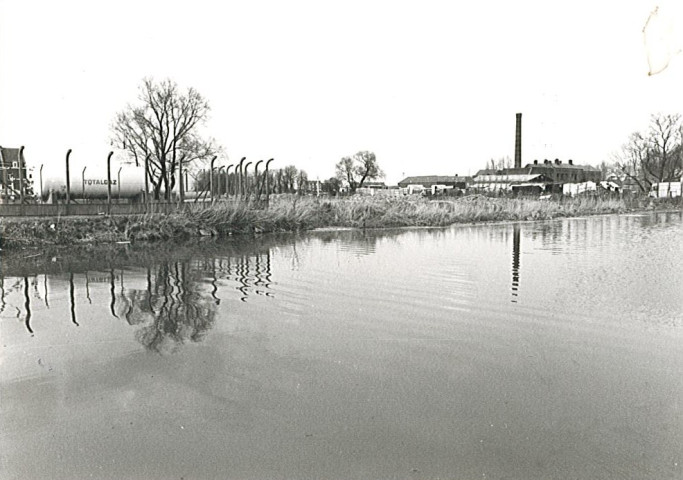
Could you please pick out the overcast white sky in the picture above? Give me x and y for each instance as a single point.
(432, 87)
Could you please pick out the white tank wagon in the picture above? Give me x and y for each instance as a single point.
(127, 182)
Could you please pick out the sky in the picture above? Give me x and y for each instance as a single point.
(431, 87)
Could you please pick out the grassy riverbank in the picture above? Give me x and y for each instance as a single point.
(305, 213)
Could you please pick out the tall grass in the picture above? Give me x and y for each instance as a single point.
(292, 213)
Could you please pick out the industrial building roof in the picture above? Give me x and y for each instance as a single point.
(429, 180)
(513, 178)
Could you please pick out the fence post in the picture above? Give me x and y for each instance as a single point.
(4, 176)
(83, 180)
(239, 178)
(146, 183)
(227, 180)
(22, 164)
(68, 182)
(211, 178)
(118, 181)
(109, 183)
(220, 175)
(246, 180)
(268, 182)
(258, 191)
(181, 190)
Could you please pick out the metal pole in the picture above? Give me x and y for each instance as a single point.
(68, 182)
(268, 181)
(41, 181)
(22, 164)
(211, 177)
(258, 193)
(180, 179)
(83, 178)
(227, 180)
(21, 174)
(118, 181)
(240, 191)
(147, 178)
(246, 179)
(109, 183)
(4, 176)
(219, 180)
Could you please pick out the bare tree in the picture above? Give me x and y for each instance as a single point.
(655, 156)
(500, 163)
(164, 127)
(630, 161)
(331, 186)
(663, 161)
(302, 181)
(289, 174)
(357, 169)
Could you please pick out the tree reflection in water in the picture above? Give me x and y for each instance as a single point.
(173, 310)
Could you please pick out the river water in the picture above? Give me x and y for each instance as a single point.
(521, 351)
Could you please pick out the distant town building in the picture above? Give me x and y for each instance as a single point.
(511, 182)
(12, 169)
(372, 188)
(312, 187)
(375, 185)
(557, 171)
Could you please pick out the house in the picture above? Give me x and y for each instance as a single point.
(377, 189)
(312, 187)
(428, 181)
(13, 169)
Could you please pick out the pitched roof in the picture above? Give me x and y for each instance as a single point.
(435, 179)
(374, 184)
(8, 155)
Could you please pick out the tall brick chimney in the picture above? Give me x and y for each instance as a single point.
(518, 141)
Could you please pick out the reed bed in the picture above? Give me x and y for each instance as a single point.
(293, 213)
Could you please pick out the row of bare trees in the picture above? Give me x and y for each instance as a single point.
(655, 155)
(162, 132)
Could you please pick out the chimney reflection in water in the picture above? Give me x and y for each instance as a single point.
(516, 240)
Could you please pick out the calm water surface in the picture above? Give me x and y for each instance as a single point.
(524, 351)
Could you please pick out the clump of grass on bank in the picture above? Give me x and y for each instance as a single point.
(292, 213)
